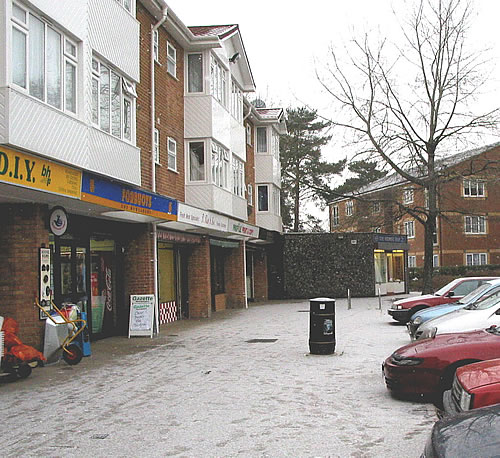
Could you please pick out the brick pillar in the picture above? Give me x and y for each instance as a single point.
(23, 231)
(234, 274)
(260, 276)
(200, 301)
(138, 262)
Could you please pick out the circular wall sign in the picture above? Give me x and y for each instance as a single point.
(58, 221)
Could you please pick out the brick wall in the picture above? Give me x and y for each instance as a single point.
(260, 275)
(234, 275)
(169, 110)
(23, 231)
(199, 281)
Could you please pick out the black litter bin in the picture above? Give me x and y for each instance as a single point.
(322, 326)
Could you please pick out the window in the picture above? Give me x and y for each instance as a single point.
(195, 73)
(238, 177)
(335, 215)
(410, 229)
(275, 144)
(236, 102)
(263, 198)
(474, 188)
(197, 161)
(376, 207)
(172, 154)
(412, 261)
(349, 208)
(156, 45)
(476, 259)
(435, 260)
(276, 201)
(250, 194)
(127, 4)
(171, 60)
(156, 146)
(218, 81)
(220, 165)
(377, 229)
(44, 61)
(475, 225)
(249, 134)
(262, 139)
(408, 195)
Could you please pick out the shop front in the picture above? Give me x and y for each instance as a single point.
(390, 265)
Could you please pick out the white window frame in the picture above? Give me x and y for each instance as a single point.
(238, 177)
(156, 146)
(171, 59)
(412, 261)
(376, 207)
(218, 81)
(408, 195)
(410, 229)
(128, 5)
(220, 165)
(475, 224)
(276, 199)
(258, 146)
(474, 188)
(202, 76)
(204, 170)
(435, 260)
(335, 215)
(67, 57)
(236, 101)
(250, 194)
(349, 208)
(476, 259)
(248, 128)
(156, 46)
(172, 154)
(259, 209)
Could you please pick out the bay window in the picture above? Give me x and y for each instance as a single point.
(261, 139)
(218, 81)
(238, 177)
(195, 73)
(236, 102)
(262, 198)
(197, 161)
(220, 165)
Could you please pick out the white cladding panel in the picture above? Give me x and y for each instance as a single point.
(114, 34)
(3, 115)
(268, 221)
(221, 124)
(70, 14)
(222, 201)
(197, 116)
(238, 139)
(4, 44)
(113, 157)
(267, 169)
(37, 127)
(199, 195)
(240, 208)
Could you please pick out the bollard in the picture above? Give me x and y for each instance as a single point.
(379, 300)
(348, 299)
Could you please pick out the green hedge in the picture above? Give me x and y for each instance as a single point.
(443, 275)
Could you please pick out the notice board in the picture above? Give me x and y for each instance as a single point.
(142, 312)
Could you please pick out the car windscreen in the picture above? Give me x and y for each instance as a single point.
(473, 295)
(485, 303)
(445, 288)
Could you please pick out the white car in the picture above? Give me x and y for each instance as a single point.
(479, 315)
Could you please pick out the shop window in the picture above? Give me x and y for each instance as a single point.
(166, 272)
(218, 261)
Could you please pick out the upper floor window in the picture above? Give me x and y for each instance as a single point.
(172, 154)
(249, 134)
(412, 261)
(377, 229)
(220, 165)
(408, 195)
(263, 198)
(171, 60)
(276, 200)
(112, 101)
(410, 229)
(156, 146)
(475, 225)
(127, 4)
(237, 102)
(474, 188)
(335, 215)
(195, 73)
(275, 144)
(376, 207)
(435, 260)
(476, 259)
(349, 208)
(44, 60)
(218, 81)
(156, 45)
(238, 177)
(261, 139)
(250, 194)
(197, 161)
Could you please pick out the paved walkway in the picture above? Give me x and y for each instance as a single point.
(201, 389)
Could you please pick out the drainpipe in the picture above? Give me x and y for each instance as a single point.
(153, 164)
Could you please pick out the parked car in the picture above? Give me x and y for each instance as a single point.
(427, 367)
(475, 385)
(403, 309)
(487, 289)
(469, 434)
(478, 315)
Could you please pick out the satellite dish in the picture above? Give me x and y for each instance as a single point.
(259, 103)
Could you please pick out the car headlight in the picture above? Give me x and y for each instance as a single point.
(428, 333)
(417, 321)
(399, 307)
(400, 360)
(465, 400)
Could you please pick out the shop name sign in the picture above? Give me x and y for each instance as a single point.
(29, 171)
(198, 217)
(107, 193)
(244, 229)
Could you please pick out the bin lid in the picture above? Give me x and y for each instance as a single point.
(322, 299)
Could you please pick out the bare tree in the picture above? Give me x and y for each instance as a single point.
(410, 109)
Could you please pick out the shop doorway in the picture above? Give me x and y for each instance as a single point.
(249, 275)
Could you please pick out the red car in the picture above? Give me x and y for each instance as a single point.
(403, 309)
(427, 367)
(475, 385)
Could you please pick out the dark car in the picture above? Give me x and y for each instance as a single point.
(427, 367)
(403, 309)
(475, 433)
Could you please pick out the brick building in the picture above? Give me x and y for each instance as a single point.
(468, 224)
(126, 168)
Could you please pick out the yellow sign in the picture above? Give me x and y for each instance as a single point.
(35, 172)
